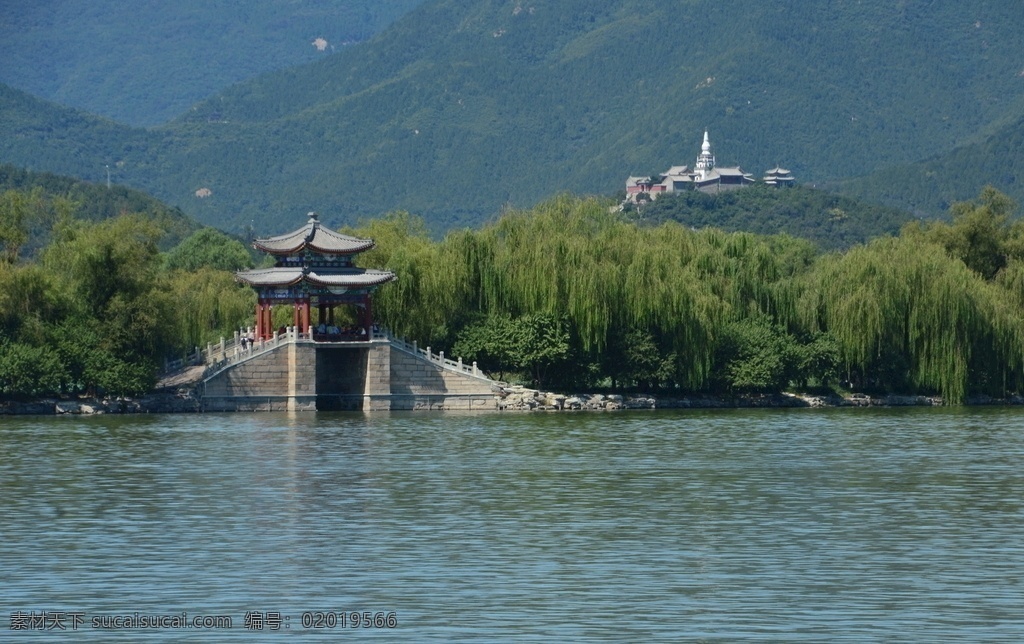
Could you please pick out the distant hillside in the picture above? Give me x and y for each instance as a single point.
(41, 135)
(142, 63)
(830, 221)
(930, 186)
(95, 202)
(461, 108)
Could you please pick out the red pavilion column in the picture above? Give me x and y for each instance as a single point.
(264, 319)
(268, 320)
(259, 318)
(301, 315)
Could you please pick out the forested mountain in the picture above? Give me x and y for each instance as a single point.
(142, 63)
(932, 185)
(830, 221)
(45, 195)
(459, 109)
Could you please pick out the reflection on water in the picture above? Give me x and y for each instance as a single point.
(773, 524)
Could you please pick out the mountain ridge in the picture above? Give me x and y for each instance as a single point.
(455, 111)
(146, 65)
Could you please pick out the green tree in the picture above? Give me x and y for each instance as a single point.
(110, 274)
(635, 357)
(533, 343)
(908, 317)
(755, 355)
(27, 370)
(980, 234)
(490, 343)
(817, 360)
(209, 248)
(207, 304)
(14, 215)
(99, 261)
(541, 341)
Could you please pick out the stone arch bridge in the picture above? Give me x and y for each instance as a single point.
(294, 371)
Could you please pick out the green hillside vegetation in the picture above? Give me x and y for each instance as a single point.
(44, 197)
(146, 62)
(99, 307)
(458, 110)
(45, 137)
(935, 184)
(565, 295)
(830, 221)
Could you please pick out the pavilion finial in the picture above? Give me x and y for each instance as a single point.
(313, 217)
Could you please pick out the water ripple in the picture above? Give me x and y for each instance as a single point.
(770, 524)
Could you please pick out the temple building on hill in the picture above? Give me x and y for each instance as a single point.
(705, 177)
(314, 270)
(778, 177)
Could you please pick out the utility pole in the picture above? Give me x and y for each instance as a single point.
(108, 176)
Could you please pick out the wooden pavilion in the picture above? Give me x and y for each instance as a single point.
(313, 268)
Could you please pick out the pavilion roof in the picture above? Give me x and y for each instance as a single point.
(314, 237)
(286, 276)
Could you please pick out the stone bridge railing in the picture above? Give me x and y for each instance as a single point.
(437, 358)
(221, 355)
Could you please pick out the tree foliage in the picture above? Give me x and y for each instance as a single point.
(755, 355)
(98, 311)
(980, 235)
(695, 310)
(209, 248)
(569, 293)
(831, 221)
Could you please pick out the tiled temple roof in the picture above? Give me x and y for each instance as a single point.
(314, 237)
(285, 276)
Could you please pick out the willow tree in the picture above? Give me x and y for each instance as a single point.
(573, 258)
(576, 260)
(208, 304)
(429, 292)
(980, 235)
(903, 304)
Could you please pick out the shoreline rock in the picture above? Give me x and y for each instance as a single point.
(183, 401)
(511, 398)
(518, 398)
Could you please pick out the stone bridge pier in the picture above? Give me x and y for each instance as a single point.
(382, 374)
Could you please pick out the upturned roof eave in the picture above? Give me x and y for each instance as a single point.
(284, 277)
(314, 237)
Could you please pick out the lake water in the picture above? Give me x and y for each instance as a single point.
(846, 524)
